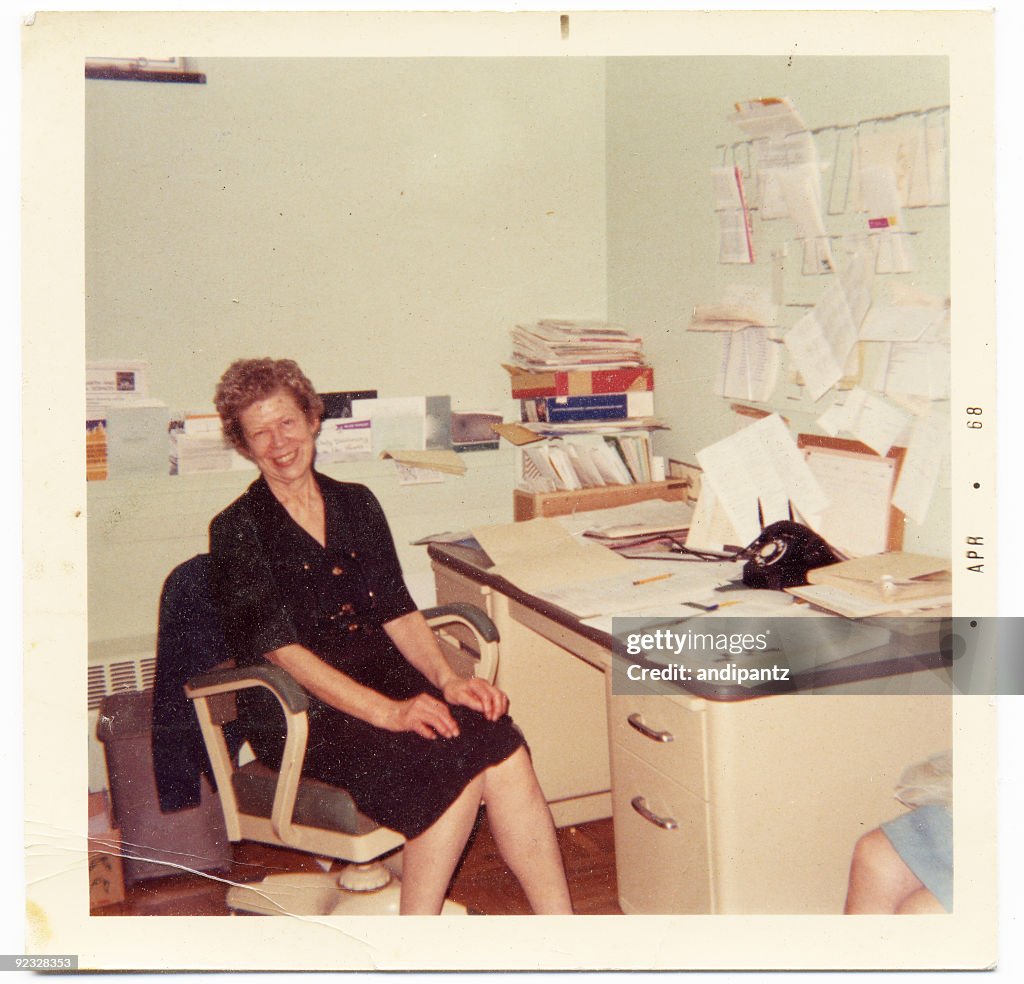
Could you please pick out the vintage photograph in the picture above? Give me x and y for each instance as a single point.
(525, 473)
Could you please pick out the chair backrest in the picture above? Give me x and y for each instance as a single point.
(189, 642)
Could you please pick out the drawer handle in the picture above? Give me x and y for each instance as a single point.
(640, 805)
(637, 722)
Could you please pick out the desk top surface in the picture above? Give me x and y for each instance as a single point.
(859, 654)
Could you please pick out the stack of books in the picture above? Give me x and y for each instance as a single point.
(581, 395)
(586, 385)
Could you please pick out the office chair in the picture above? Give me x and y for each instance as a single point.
(286, 809)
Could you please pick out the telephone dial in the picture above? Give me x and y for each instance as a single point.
(783, 554)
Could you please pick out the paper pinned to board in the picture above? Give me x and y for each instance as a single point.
(742, 305)
(801, 188)
(735, 231)
(823, 342)
(760, 464)
(710, 528)
(856, 277)
(819, 351)
(877, 422)
(921, 467)
(859, 487)
(898, 324)
(775, 117)
(919, 369)
(735, 236)
(750, 365)
(874, 420)
(835, 418)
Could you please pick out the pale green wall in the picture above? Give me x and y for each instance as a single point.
(665, 118)
(384, 222)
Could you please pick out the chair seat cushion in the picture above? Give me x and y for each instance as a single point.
(317, 804)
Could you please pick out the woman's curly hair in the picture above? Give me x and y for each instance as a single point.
(249, 380)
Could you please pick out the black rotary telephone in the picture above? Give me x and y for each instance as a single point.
(783, 554)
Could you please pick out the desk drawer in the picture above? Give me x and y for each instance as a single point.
(666, 732)
(661, 841)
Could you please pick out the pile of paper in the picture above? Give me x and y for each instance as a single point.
(575, 344)
(883, 584)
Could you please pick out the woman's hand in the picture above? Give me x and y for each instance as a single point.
(423, 714)
(476, 694)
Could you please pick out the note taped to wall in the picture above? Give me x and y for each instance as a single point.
(750, 365)
(919, 475)
(821, 342)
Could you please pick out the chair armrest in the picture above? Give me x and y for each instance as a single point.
(479, 623)
(294, 702)
(292, 697)
(460, 611)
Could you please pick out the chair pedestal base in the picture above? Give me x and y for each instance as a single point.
(313, 894)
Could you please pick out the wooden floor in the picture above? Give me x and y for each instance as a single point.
(482, 883)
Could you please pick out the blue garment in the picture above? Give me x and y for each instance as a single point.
(189, 642)
(923, 839)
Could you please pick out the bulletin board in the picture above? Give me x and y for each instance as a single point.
(824, 233)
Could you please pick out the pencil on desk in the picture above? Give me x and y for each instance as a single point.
(648, 580)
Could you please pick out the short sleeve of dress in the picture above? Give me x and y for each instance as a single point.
(383, 571)
(253, 614)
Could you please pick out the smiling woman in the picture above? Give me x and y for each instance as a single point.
(279, 438)
(305, 576)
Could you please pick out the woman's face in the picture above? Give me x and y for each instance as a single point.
(280, 438)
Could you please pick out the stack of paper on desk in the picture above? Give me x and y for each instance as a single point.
(757, 470)
(897, 574)
(570, 344)
(544, 559)
(880, 584)
(643, 586)
(637, 520)
(540, 552)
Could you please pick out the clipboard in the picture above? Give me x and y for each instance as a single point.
(860, 484)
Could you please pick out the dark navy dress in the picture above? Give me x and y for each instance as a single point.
(274, 584)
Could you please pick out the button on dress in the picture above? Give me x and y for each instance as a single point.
(274, 584)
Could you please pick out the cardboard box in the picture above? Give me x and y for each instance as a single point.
(106, 873)
(580, 382)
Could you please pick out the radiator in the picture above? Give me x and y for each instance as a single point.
(112, 675)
